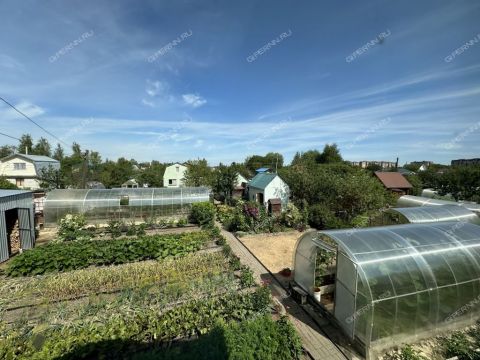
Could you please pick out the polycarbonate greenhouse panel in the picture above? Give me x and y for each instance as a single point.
(425, 214)
(413, 280)
(410, 201)
(100, 205)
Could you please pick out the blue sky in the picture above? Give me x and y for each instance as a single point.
(409, 95)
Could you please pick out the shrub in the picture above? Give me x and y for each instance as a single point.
(114, 228)
(73, 227)
(81, 254)
(262, 338)
(246, 277)
(321, 217)
(182, 222)
(203, 213)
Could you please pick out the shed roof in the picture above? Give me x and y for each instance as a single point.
(261, 180)
(393, 180)
(275, 201)
(5, 193)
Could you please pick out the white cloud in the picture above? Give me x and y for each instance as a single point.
(148, 103)
(198, 143)
(193, 100)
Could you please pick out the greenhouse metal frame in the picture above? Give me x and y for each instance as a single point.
(426, 214)
(100, 205)
(400, 283)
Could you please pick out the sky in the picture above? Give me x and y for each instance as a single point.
(221, 80)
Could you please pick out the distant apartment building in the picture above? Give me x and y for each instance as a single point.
(25, 171)
(174, 175)
(383, 164)
(465, 162)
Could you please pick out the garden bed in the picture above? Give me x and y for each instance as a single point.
(141, 297)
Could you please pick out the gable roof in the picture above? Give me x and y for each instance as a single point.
(393, 180)
(261, 180)
(39, 161)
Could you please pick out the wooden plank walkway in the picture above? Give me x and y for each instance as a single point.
(315, 342)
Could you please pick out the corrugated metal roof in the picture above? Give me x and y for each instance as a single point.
(32, 157)
(393, 180)
(263, 169)
(5, 193)
(261, 180)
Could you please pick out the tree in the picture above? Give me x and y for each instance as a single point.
(152, 174)
(51, 178)
(224, 179)
(59, 154)
(271, 160)
(26, 144)
(198, 173)
(7, 150)
(329, 155)
(462, 182)
(5, 184)
(42, 147)
(416, 183)
(307, 158)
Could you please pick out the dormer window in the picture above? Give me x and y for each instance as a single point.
(178, 168)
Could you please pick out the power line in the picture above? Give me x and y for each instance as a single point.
(28, 118)
(11, 137)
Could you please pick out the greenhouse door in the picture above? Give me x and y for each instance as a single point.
(345, 289)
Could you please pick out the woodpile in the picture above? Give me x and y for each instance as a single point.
(15, 239)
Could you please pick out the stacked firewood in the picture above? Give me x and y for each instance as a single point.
(15, 238)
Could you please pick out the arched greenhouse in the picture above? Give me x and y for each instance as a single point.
(426, 214)
(395, 284)
(127, 204)
(410, 201)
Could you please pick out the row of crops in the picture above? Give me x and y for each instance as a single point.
(181, 296)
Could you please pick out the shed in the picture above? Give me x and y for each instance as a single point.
(265, 186)
(398, 284)
(16, 215)
(394, 181)
(275, 206)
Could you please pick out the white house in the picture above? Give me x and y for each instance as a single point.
(174, 175)
(264, 187)
(24, 170)
(240, 180)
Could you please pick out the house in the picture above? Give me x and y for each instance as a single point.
(240, 186)
(24, 171)
(174, 175)
(395, 182)
(130, 184)
(268, 189)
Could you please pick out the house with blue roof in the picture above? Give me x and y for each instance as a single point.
(270, 190)
(24, 170)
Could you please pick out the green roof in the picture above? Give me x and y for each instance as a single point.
(261, 180)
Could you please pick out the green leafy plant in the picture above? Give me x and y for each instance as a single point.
(459, 345)
(81, 254)
(202, 213)
(324, 260)
(246, 277)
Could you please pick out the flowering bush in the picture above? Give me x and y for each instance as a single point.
(73, 227)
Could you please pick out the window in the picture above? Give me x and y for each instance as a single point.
(172, 182)
(178, 168)
(124, 200)
(19, 166)
(19, 182)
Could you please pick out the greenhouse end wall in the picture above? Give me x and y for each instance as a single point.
(102, 205)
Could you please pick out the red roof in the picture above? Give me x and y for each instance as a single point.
(393, 180)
